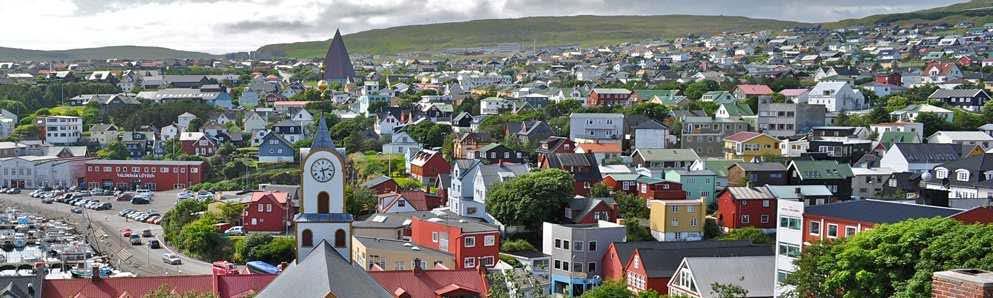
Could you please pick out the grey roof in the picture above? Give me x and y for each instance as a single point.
(582, 206)
(321, 272)
(879, 212)
(626, 249)
(668, 154)
(762, 167)
(931, 153)
(464, 165)
(750, 193)
(798, 191)
(752, 273)
(376, 181)
(948, 93)
(491, 173)
(664, 262)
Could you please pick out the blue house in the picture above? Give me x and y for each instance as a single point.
(275, 149)
(248, 98)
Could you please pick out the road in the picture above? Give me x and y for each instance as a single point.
(106, 224)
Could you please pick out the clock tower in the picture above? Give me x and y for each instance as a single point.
(322, 216)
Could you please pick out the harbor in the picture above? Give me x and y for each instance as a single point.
(30, 242)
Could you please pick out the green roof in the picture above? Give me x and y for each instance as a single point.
(648, 94)
(822, 169)
(738, 109)
(720, 166)
(667, 154)
(890, 137)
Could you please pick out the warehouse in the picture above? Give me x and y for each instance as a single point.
(41, 171)
(156, 175)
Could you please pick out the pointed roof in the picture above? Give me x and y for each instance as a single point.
(322, 138)
(324, 271)
(337, 65)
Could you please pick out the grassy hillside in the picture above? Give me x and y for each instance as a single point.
(99, 53)
(584, 30)
(976, 11)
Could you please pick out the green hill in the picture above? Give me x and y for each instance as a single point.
(543, 31)
(99, 53)
(977, 11)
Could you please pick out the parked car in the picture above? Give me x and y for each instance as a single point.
(123, 197)
(104, 206)
(125, 232)
(76, 210)
(139, 201)
(146, 233)
(135, 239)
(171, 259)
(235, 231)
(154, 244)
(184, 195)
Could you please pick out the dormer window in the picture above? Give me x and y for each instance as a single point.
(989, 175)
(940, 173)
(962, 175)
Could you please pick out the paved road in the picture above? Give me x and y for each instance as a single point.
(106, 225)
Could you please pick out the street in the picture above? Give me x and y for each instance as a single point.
(106, 226)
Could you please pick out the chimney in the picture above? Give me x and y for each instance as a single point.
(418, 266)
(962, 283)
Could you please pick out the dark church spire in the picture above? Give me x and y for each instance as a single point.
(322, 138)
(337, 65)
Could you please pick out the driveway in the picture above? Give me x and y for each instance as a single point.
(103, 228)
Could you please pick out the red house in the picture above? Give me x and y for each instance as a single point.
(622, 182)
(843, 219)
(471, 242)
(408, 201)
(156, 175)
(739, 207)
(426, 165)
(658, 189)
(608, 97)
(652, 265)
(893, 78)
(591, 210)
(197, 143)
(381, 185)
(583, 167)
(268, 212)
(433, 282)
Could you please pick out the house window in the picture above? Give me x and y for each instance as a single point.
(558, 264)
(401, 203)
(487, 260)
(832, 231)
(470, 241)
(962, 175)
(591, 267)
(577, 267)
(693, 222)
(578, 246)
(791, 223)
(815, 228)
(469, 262)
(489, 240)
(850, 230)
(765, 218)
(260, 207)
(565, 265)
(565, 244)
(745, 218)
(675, 208)
(790, 250)
(307, 238)
(592, 246)
(558, 243)
(339, 238)
(675, 222)
(941, 173)
(765, 203)
(434, 237)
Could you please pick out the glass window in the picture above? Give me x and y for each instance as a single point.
(832, 230)
(470, 241)
(592, 246)
(489, 240)
(850, 231)
(815, 228)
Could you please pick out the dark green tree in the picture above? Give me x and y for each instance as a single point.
(531, 199)
(115, 150)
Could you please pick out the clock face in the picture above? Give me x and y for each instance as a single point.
(322, 170)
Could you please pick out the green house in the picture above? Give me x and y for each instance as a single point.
(696, 184)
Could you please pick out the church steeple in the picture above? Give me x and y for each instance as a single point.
(337, 64)
(322, 138)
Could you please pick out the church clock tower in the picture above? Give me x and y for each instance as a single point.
(322, 216)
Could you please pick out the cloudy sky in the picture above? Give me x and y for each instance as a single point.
(220, 26)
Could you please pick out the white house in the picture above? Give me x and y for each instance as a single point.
(789, 236)
(183, 120)
(836, 96)
(913, 127)
(62, 130)
(920, 158)
(487, 177)
(596, 127)
(910, 113)
(253, 122)
(962, 138)
(385, 124)
(461, 191)
(494, 105)
(303, 117)
(400, 142)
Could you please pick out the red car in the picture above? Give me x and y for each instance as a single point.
(125, 232)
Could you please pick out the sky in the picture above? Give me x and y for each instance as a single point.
(223, 26)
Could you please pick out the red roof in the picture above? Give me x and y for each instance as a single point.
(755, 89)
(742, 136)
(600, 148)
(280, 197)
(432, 283)
(227, 285)
(421, 201)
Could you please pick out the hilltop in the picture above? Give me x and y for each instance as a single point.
(542, 31)
(99, 53)
(977, 11)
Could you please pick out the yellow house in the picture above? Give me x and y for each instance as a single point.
(748, 145)
(677, 220)
(395, 254)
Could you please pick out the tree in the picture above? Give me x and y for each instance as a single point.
(609, 289)
(231, 212)
(748, 233)
(115, 150)
(651, 110)
(696, 89)
(599, 190)
(182, 214)
(630, 206)
(720, 290)
(891, 260)
(635, 231)
(359, 200)
(932, 122)
(199, 238)
(531, 199)
(516, 245)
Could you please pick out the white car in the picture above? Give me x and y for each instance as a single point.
(184, 195)
(235, 231)
(171, 259)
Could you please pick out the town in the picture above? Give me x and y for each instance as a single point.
(803, 162)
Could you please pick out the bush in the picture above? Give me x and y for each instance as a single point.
(516, 245)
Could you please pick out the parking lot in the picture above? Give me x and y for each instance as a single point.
(106, 226)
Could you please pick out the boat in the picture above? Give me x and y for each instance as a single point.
(260, 267)
(20, 240)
